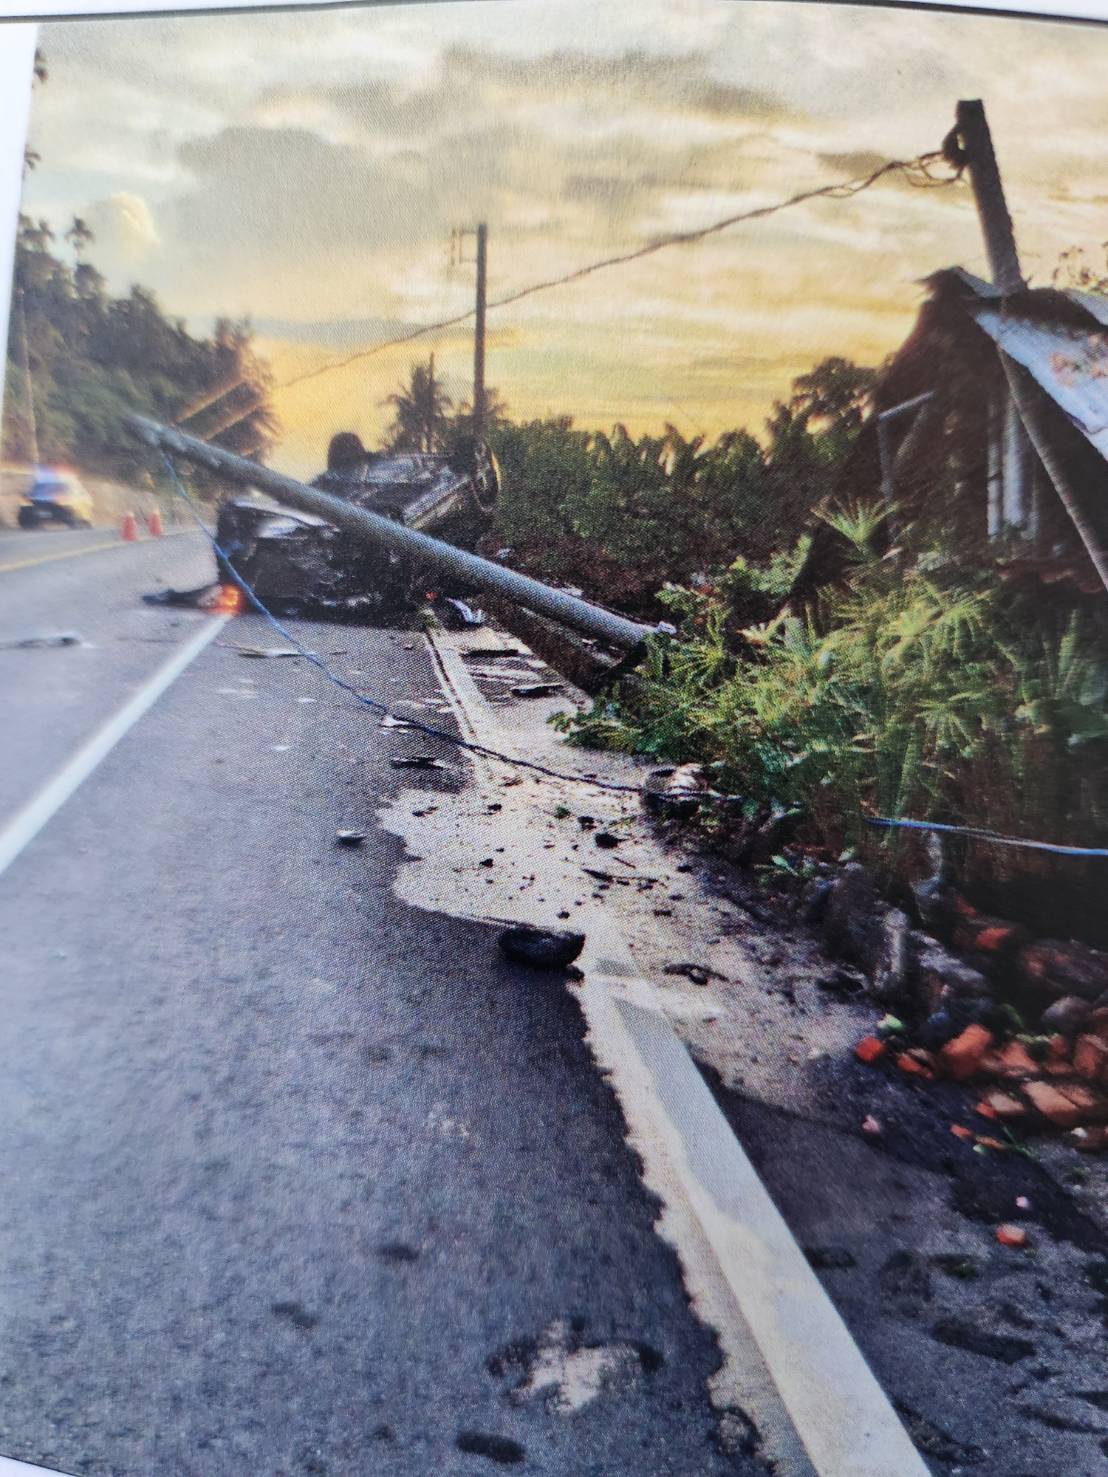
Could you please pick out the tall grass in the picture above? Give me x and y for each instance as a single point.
(915, 691)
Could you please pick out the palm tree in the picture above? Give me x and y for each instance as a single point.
(80, 236)
(422, 412)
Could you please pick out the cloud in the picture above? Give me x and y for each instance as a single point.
(123, 226)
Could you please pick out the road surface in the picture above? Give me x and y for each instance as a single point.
(297, 1180)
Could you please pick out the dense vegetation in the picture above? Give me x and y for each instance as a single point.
(91, 358)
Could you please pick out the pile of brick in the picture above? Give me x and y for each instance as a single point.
(977, 999)
(1062, 1083)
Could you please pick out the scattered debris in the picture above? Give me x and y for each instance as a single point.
(416, 761)
(606, 841)
(869, 1049)
(350, 838)
(536, 689)
(541, 948)
(264, 652)
(26, 643)
(678, 791)
(871, 1126)
(699, 974)
(1009, 1235)
(457, 615)
(389, 721)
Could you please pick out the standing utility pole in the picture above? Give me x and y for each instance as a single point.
(1025, 414)
(988, 192)
(27, 381)
(479, 332)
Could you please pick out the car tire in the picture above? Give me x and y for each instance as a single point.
(28, 518)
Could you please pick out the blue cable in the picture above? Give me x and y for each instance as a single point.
(981, 834)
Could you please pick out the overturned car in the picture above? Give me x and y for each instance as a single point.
(299, 564)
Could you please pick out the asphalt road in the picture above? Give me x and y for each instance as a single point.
(296, 1179)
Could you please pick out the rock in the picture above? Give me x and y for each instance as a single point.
(541, 948)
(350, 838)
(813, 900)
(892, 965)
(962, 1057)
(676, 792)
(1066, 1016)
(851, 918)
(941, 977)
(1090, 1058)
(1059, 967)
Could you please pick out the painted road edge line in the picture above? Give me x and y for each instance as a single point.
(112, 543)
(841, 1417)
(26, 825)
(10, 1467)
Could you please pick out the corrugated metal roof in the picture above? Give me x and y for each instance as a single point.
(1071, 364)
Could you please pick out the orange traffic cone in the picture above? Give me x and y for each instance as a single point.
(129, 530)
(154, 523)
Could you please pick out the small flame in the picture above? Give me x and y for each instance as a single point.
(229, 600)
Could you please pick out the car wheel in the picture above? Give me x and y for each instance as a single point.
(28, 518)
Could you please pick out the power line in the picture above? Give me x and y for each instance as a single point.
(917, 172)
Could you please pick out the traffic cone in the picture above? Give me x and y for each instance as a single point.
(129, 530)
(154, 523)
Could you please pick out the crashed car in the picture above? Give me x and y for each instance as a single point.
(55, 495)
(299, 564)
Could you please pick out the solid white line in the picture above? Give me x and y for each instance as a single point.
(822, 1412)
(30, 820)
(9, 1467)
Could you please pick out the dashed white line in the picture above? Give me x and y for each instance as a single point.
(26, 825)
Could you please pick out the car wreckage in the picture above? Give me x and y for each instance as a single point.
(298, 564)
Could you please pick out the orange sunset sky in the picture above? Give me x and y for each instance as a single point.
(307, 170)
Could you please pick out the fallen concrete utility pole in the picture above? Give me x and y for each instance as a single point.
(471, 569)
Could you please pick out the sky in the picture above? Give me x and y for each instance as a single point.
(307, 169)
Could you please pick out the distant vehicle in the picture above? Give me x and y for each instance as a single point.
(55, 496)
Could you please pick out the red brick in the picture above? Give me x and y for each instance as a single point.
(917, 1063)
(961, 1058)
(1090, 1140)
(1002, 1106)
(1015, 1061)
(1054, 1106)
(1090, 1058)
(1092, 1105)
(869, 1049)
(1011, 1235)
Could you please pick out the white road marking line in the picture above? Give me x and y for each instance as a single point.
(113, 543)
(825, 1414)
(9, 1467)
(26, 825)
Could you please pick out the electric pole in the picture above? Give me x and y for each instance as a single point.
(988, 192)
(1025, 413)
(479, 332)
(27, 381)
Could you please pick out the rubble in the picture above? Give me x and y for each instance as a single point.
(1066, 1016)
(677, 791)
(1009, 1235)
